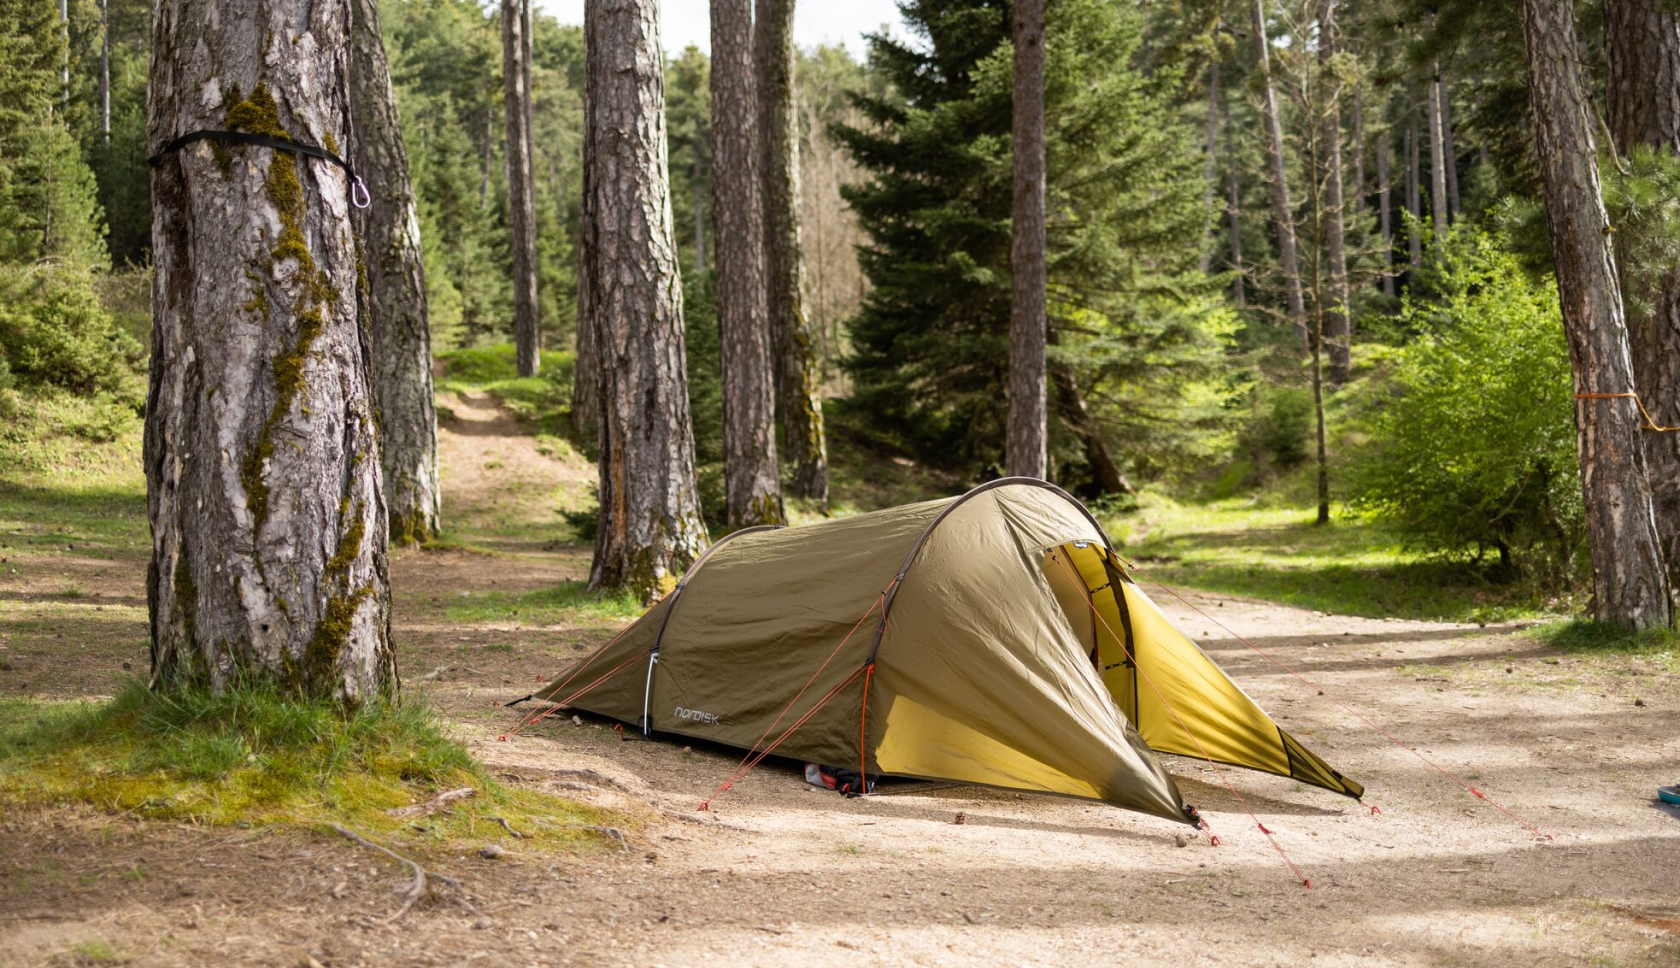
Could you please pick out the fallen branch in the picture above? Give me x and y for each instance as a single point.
(440, 802)
(423, 878)
(508, 827)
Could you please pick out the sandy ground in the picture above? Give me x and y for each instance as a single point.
(782, 874)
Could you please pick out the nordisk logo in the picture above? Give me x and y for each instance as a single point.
(695, 715)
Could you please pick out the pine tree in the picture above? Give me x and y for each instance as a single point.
(1128, 310)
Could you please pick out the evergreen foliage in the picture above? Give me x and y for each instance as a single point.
(1133, 321)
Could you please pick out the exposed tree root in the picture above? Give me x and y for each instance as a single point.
(442, 801)
(423, 878)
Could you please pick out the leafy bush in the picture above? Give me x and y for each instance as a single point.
(1472, 434)
(55, 331)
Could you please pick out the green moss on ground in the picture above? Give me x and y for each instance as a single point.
(254, 756)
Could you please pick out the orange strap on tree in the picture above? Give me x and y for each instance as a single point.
(1650, 424)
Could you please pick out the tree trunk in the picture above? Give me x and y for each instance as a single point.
(1414, 187)
(522, 213)
(1322, 298)
(1384, 215)
(484, 160)
(1359, 193)
(1211, 172)
(1025, 448)
(1437, 162)
(1454, 205)
(1643, 91)
(396, 289)
(699, 222)
(64, 63)
(105, 70)
(650, 525)
(798, 388)
(1105, 470)
(1336, 328)
(586, 367)
(1283, 213)
(1239, 293)
(751, 475)
(1630, 586)
(261, 454)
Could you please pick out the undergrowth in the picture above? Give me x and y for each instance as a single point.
(251, 755)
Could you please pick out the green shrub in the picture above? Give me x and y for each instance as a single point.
(55, 331)
(1471, 446)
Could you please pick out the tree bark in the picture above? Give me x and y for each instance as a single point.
(522, 213)
(1454, 205)
(1414, 186)
(1283, 212)
(798, 388)
(1643, 93)
(650, 526)
(1630, 586)
(1211, 166)
(1233, 208)
(1359, 194)
(262, 459)
(1437, 162)
(105, 70)
(1384, 216)
(586, 364)
(395, 288)
(751, 476)
(1026, 446)
(1337, 330)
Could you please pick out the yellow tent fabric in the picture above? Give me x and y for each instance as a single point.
(982, 665)
(1179, 699)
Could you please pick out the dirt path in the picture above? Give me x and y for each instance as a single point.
(781, 874)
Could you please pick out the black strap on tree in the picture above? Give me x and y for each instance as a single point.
(358, 189)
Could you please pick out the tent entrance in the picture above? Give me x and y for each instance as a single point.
(1178, 698)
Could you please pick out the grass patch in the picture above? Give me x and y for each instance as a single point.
(543, 403)
(251, 755)
(1350, 567)
(1584, 639)
(566, 602)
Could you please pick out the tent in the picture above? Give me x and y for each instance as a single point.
(993, 638)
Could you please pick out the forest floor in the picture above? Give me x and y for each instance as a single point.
(782, 874)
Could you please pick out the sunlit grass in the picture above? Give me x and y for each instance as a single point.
(566, 602)
(251, 755)
(1348, 567)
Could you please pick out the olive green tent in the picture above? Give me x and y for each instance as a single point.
(992, 638)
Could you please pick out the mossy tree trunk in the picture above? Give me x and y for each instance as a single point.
(798, 389)
(1630, 586)
(1643, 91)
(262, 461)
(751, 475)
(522, 213)
(396, 289)
(1026, 443)
(650, 525)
